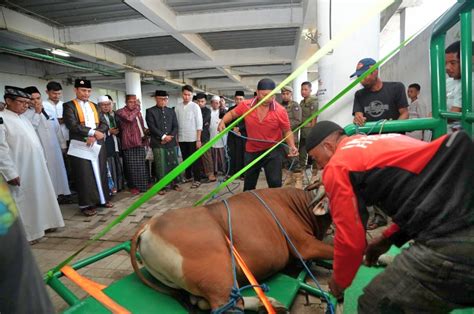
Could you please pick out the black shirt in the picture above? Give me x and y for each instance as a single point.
(206, 122)
(382, 104)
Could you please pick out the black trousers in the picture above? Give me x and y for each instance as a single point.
(187, 149)
(272, 164)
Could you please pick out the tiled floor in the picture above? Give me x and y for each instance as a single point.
(57, 246)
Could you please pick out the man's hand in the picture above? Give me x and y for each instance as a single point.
(336, 290)
(14, 182)
(221, 126)
(198, 144)
(38, 107)
(359, 118)
(114, 131)
(168, 138)
(237, 130)
(376, 247)
(90, 140)
(293, 152)
(98, 135)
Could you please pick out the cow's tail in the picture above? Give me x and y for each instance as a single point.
(179, 295)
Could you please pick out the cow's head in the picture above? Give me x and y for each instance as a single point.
(319, 206)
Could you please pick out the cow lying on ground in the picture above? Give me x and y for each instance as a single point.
(186, 248)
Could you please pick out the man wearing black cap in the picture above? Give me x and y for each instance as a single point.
(47, 128)
(163, 126)
(24, 168)
(428, 190)
(265, 126)
(235, 143)
(85, 124)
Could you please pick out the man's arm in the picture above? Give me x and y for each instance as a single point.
(290, 140)
(7, 166)
(227, 118)
(403, 113)
(357, 109)
(349, 241)
(128, 115)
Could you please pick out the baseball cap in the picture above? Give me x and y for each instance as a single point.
(362, 66)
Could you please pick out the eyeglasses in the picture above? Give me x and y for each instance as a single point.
(162, 98)
(23, 102)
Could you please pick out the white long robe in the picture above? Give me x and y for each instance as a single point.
(22, 156)
(49, 133)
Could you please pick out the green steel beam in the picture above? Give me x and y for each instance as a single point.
(466, 68)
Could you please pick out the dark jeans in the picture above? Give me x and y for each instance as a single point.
(271, 163)
(436, 276)
(187, 149)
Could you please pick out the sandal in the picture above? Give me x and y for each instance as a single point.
(162, 192)
(177, 188)
(195, 185)
(89, 211)
(107, 205)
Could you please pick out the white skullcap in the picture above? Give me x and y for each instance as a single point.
(215, 98)
(103, 99)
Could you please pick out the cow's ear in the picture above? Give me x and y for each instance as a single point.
(321, 208)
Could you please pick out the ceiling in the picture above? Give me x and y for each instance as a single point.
(219, 46)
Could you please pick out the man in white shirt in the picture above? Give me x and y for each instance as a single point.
(23, 166)
(49, 133)
(218, 148)
(189, 131)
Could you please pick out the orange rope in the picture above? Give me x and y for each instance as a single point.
(253, 281)
(94, 289)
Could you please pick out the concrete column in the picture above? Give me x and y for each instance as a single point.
(298, 80)
(335, 68)
(133, 84)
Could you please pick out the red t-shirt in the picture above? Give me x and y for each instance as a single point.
(271, 128)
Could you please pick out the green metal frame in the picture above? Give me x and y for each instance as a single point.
(461, 11)
(78, 305)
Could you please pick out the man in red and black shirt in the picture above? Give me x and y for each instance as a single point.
(265, 126)
(427, 189)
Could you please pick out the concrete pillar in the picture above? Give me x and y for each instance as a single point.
(133, 84)
(335, 68)
(298, 80)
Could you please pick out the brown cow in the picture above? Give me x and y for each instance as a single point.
(186, 248)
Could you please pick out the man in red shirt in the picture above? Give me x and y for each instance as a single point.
(265, 126)
(428, 191)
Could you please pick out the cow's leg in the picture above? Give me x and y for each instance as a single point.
(312, 248)
(254, 304)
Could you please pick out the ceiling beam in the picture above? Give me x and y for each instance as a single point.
(222, 58)
(161, 15)
(25, 25)
(112, 31)
(190, 23)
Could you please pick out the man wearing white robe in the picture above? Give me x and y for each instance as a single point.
(24, 168)
(49, 133)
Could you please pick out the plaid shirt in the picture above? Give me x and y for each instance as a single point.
(129, 131)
